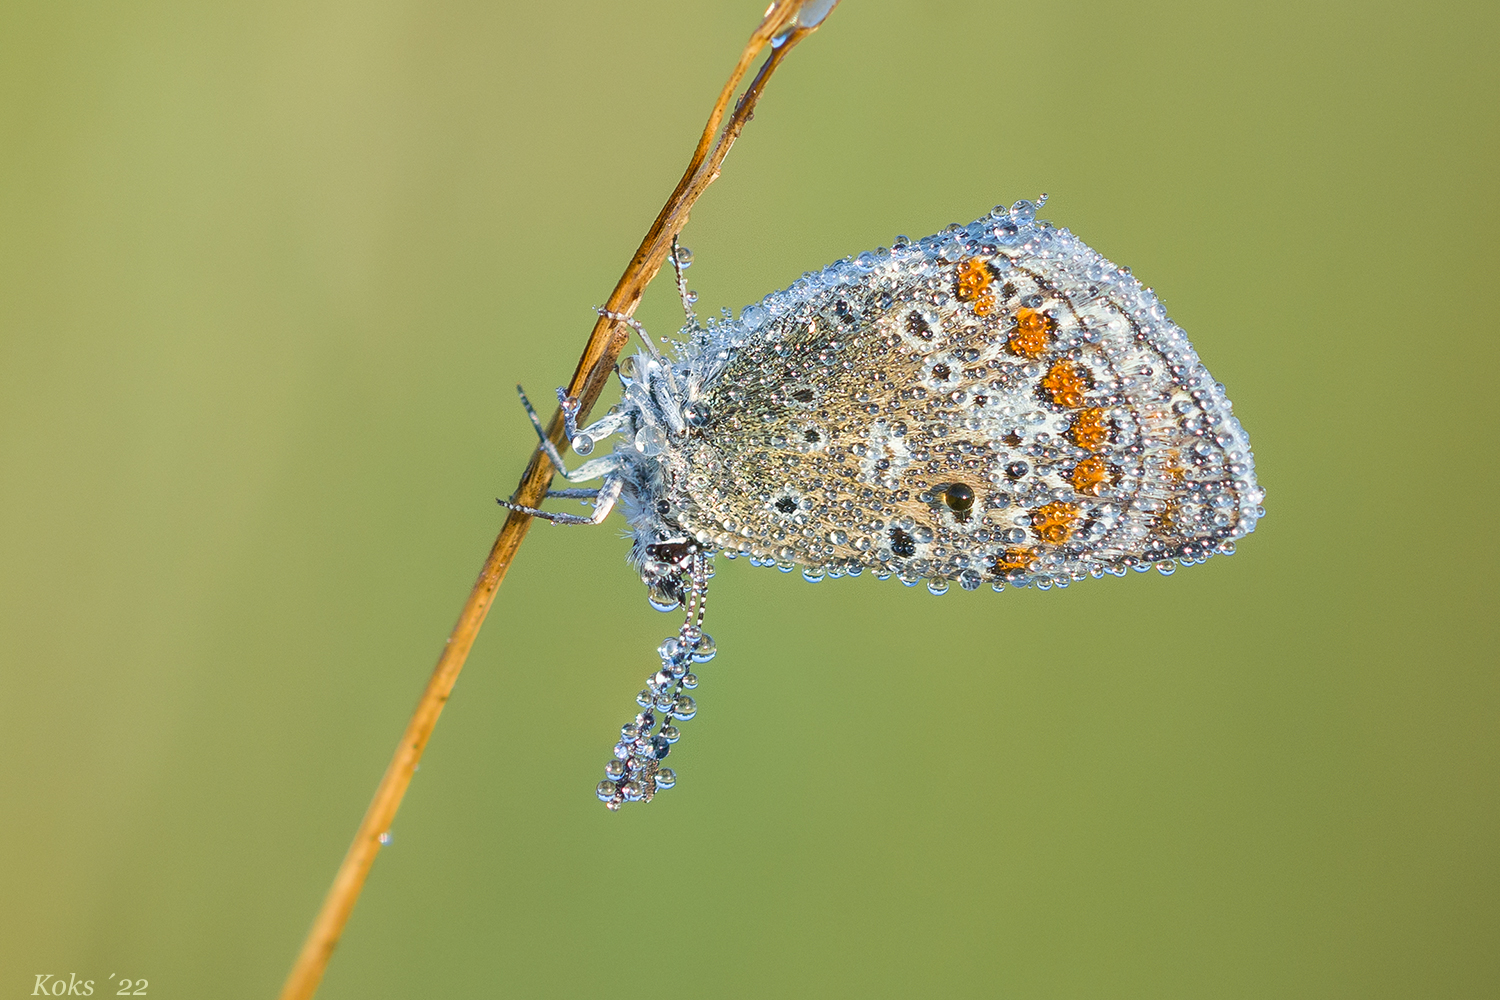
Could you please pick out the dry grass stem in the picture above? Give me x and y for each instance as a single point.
(604, 345)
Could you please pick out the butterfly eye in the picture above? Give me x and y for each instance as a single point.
(670, 553)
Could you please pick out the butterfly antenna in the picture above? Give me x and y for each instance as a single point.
(636, 773)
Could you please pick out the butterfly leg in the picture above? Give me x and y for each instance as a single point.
(548, 448)
(681, 258)
(635, 325)
(604, 501)
(596, 469)
(583, 440)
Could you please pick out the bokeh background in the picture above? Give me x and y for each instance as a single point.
(268, 272)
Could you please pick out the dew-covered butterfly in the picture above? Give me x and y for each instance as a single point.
(996, 403)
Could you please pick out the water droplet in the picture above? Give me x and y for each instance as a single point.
(705, 650)
(813, 12)
(650, 441)
(663, 599)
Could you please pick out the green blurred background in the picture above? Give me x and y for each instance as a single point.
(267, 275)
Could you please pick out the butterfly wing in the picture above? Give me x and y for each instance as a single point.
(997, 404)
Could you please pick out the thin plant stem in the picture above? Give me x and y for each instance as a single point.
(608, 338)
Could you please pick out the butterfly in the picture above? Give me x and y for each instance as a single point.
(994, 404)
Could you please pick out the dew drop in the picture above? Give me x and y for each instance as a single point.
(705, 650)
(649, 441)
(662, 599)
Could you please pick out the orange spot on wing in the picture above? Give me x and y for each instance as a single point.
(1054, 522)
(1014, 558)
(1090, 429)
(1029, 338)
(1066, 381)
(974, 279)
(1091, 475)
(1175, 473)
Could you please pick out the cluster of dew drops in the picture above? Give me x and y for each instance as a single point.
(635, 773)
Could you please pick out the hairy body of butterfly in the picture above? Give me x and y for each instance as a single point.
(993, 404)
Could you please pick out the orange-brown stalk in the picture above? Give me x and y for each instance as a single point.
(599, 354)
